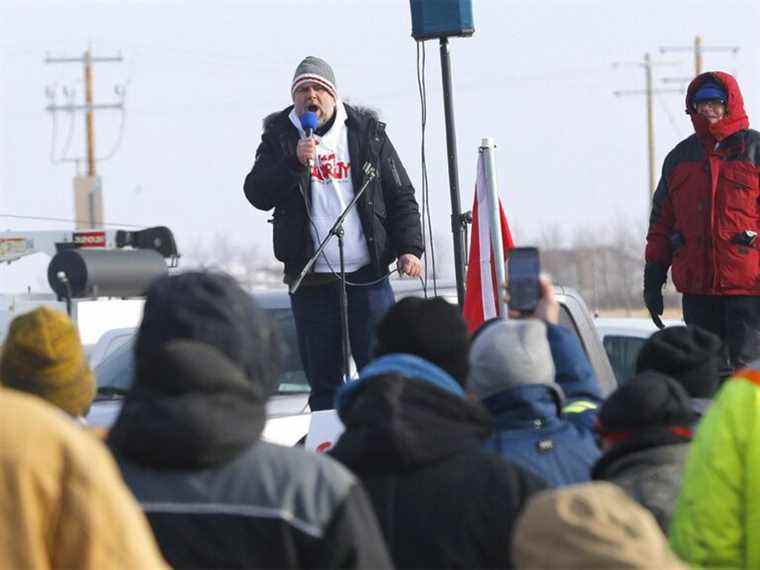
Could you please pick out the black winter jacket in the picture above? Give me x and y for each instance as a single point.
(441, 500)
(218, 497)
(388, 210)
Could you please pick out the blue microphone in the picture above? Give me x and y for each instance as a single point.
(309, 123)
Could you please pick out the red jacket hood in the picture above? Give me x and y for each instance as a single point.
(736, 118)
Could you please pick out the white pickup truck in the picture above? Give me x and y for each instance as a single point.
(289, 417)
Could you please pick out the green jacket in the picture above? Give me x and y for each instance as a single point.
(717, 519)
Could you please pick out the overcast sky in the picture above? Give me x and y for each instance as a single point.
(200, 76)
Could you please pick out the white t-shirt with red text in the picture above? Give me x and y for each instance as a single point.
(331, 191)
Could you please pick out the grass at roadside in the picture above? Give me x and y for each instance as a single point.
(670, 313)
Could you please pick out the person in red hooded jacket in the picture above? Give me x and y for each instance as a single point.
(705, 220)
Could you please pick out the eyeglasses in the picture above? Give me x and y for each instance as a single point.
(303, 88)
(713, 103)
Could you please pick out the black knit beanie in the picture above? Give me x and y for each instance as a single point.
(648, 400)
(213, 309)
(691, 355)
(432, 329)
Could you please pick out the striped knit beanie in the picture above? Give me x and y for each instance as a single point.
(316, 70)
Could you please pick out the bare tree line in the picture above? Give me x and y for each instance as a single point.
(251, 266)
(604, 263)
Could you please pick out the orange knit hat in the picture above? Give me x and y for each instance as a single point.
(43, 355)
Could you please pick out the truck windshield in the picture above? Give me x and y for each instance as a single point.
(115, 372)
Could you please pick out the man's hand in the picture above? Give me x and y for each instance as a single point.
(654, 278)
(306, 151)
(547, 308)
(410, 264)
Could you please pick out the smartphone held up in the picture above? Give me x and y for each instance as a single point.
(523, 269)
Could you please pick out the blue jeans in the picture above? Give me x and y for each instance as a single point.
(316, 310)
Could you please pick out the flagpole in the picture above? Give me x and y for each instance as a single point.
(488, 149)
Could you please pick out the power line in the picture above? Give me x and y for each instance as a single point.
(69, 138)
(50, 219)
(89, 107)
(70, 131)
(698, 48)
(119, 139)
(669, 115)
(88, 197)
(649, 91)
(427, 224)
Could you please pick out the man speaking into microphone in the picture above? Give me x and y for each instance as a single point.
(309, 178)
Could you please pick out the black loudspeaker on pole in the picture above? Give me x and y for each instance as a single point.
(443, 19)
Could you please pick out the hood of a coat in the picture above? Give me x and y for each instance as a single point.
(522, 406)
(407, 365)
(655, 447)
(400, 420)
(190, 407)
(357, 116)
(736, 118)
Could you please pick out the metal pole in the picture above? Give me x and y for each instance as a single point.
(344, 310)
(650, 124)
(697, 55)
(488, 148)
(457, 228)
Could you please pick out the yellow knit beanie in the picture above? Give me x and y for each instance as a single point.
(43, 355)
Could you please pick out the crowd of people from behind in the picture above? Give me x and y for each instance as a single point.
(496, 450)
(491, 450)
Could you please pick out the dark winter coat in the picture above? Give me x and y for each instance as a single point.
(417, 444)
(531, 429)
(649, 467)
(388, 210)
(706, 199)
(216, 495)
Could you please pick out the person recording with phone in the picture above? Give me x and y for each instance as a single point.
(535, 379)
(308, 165)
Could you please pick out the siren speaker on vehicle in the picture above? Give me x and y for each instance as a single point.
(78, 273)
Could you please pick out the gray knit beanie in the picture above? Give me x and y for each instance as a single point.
(316, 70)
(510, 353)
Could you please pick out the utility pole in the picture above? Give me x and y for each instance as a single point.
(89, 118)
(650, 122)
(697, 55)
(699, 48)
(88, 195)
(649, 91)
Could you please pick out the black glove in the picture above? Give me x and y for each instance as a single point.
(654, 278)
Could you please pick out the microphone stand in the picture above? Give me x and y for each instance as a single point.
(337, 231)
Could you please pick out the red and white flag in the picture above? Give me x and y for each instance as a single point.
(481, 300)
